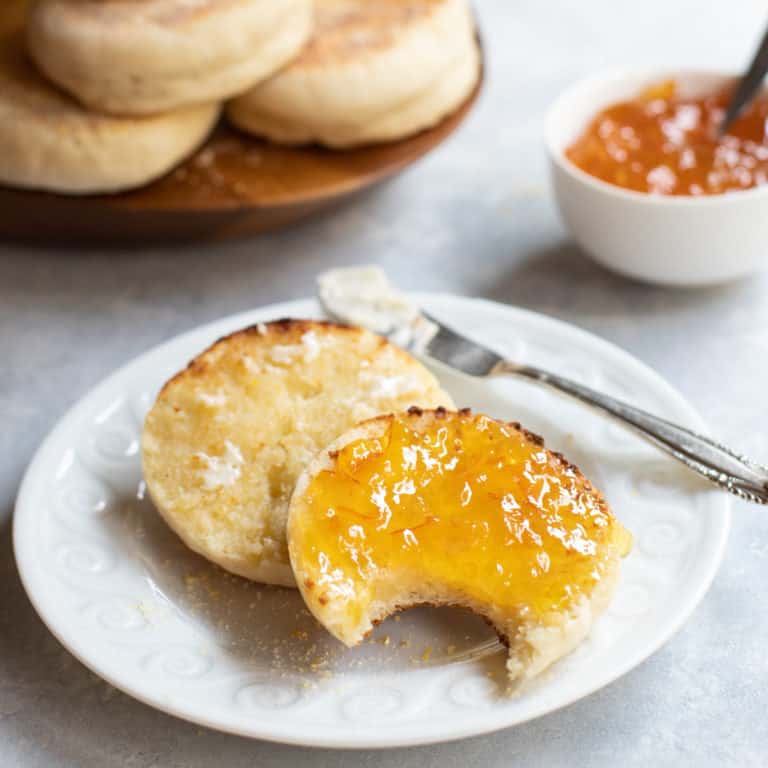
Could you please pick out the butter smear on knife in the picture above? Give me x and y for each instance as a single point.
(364, 296)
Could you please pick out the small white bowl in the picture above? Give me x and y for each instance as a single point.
(660, 239)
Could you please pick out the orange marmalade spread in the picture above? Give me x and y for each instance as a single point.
(458, 500)
(665, 144)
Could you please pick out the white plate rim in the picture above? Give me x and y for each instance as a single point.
(371, 738)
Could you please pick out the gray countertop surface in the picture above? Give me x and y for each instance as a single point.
(475, 218)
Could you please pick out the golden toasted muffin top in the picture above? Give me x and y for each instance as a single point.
(345, 29)
(228, 437)
(161, 13)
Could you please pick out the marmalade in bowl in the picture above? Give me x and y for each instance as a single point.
(663, 143)
(475, 505)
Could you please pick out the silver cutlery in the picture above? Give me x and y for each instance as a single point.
(390, 314)
(748, 85)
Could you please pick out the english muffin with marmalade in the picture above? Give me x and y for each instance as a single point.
(450, 508)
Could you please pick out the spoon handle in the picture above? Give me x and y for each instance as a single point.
(721, 465)
(748, 85)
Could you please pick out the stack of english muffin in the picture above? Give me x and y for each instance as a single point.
(108, 95)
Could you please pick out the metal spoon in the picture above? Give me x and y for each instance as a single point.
(748, 86)
(364, 296)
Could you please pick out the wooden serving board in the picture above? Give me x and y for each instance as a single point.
(235, 185)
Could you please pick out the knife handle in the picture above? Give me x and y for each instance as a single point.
(714, 461)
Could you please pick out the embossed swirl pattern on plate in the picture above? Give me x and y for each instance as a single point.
(269, 695)
(178, 661)
(83, 558)
(372, 703)
(115, 614)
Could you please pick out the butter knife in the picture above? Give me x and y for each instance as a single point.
(364, 296)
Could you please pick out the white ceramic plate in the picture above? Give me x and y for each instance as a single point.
(123, 594)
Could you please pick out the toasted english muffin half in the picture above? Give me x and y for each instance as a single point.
(48, 141)
(374, 71)
(138, 57)
(449, 508)
(227, 438)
